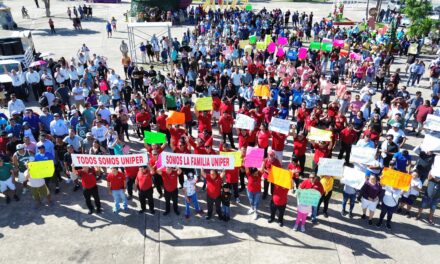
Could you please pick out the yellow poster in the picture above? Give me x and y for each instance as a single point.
(396, 179)
(280, 177)
(236, 155)
(262, 90)
(243, 43)
(261, 45)
(204, 104)
(319, 134)
(267, 39)
(41, 169)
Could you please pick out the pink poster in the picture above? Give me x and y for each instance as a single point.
(271, 47)
(326, 40)
(302, 54)
(254, 157)
(282, 41)
(159, 161)
(338, 43)
(280, 52)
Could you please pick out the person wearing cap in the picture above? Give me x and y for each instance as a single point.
(87, 143)
(11, 145)
(116, 185)
(15, 105)
(19, 160)
(144, 184)
(7, 181)
(398, 135)
(43, 155)
(58, 127)
(50, 96)
(14, 128)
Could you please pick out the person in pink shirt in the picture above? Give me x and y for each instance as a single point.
(355, 106)
(325, 89)
(341, 88)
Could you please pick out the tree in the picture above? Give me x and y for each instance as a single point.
(418, 11)
(47, 6)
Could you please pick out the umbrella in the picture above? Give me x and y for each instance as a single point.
(46, 54)
(37, 63)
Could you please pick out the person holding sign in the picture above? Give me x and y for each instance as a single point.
(253, 190)
(370, 197)
(116, 185)
(38, 187)
(7, 181)
(88, 182)
(313, 182)
(265, 169)
(410, 196)
(144, 184)
(169, 177)
(389, 204)
(431, 197)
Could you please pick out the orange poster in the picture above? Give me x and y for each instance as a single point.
(396, 179)
(262, 91)
(176, 118)
(280, 177)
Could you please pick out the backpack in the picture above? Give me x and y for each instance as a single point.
(43, 101)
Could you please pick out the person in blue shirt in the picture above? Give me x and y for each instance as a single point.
(401, 160)
(274, 92)
(45, 120)
(32, 119)
(48, 145)
(13, 128)
(283, 112)
(311, 99)
(43, 155)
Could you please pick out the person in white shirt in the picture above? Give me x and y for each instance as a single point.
(80, 70)
(410, 196)
(112, 77)
(15, 105)
(50, 96)
(33, 80)
(78, 95)
(398, 134)
(59, 76)
(47, 78)
(236, 78)
(73, 75)
(98, 132)
(105, 113)
(389, 204)
(58, 127)
(189, 190)
(17, 79)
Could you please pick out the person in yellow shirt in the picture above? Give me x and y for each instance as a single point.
(327, 184)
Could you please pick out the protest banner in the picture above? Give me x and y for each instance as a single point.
(175, 118)
(154, 137)
(204, 103)
(243, 43)
(282, 41)
(319, 134)
(363, 155)
(267, 39)
(197, 161)
(280, 177)
(395, 179)
(430, 143)
(315, 45)
(262, 90)
(413, 49)
(41, 169)
(338, 43)
(353, 178)
(237, 157)
(271, 47)
(327, 46)
(244, 122)
(331, 167)
(254, 157)
(432, 122)
(308, 197)
(435, 170)
(261, 45)
(252, 39)
(302, 53)
(132, 160)
(280, 125)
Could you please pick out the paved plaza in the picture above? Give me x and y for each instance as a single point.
(65, 233)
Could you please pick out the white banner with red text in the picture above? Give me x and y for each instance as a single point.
(195, 161)
(132, 160)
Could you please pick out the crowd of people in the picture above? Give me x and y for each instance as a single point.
(87, 108)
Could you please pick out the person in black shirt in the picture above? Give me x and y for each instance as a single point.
(126, 93)
(67, 160)
(424, 164)
(102, 71)
(226, 201)
(152, 73)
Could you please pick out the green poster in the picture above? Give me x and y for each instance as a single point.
(154, 137)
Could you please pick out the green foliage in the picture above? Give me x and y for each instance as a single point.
(418, 11)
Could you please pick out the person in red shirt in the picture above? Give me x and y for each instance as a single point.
(278, 203)
(347, 138)
(169, 177)
(322, 150)
(226, 123)
(130, 173)
(116, 186)
(231, 175)
(88, 182)
(157, 179)
(214, 185)
(186, 109)
(340, 122)
(257, 115)
(253, 190)
(144, 184)
(265, 169)
(204, 120)
(300, 143)
(263, 136)
(268, 112)
(206, 137)
(313, 182)
(216, 102)
(226, 106)
(161, 121)
(176, 133)
(243, 138)
(295, 168)
(421, 114)
(143, 119)
(301, 115)
(278, 143)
